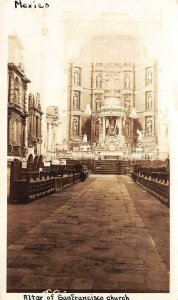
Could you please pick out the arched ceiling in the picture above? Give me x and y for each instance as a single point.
(111, 37)
(113, 48)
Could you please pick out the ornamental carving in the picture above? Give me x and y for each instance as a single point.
(76, 100)
(127, 81)
(76, 76)
(149, 76)
(98, 102)
(17, 112)
(75, 125)
(149, 101)
(149, 126)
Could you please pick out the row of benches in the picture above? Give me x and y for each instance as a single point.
(154, 180)
(27, 185)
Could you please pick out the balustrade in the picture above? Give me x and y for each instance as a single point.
(154, 180)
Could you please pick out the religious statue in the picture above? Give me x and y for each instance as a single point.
(76, 77)
(75, 101)
(98, 103)
(75, 126)
(126, 129)
(38, 101)
(127, 81)
(149, 127)
(112, 126)
(127, 103)
(30, 100)
(16, 95)
(149, 77)
(98, 81)
(24, 150)
(85, 139)
(140, 135)
(98, 127)
(122, 141)
(149, 101)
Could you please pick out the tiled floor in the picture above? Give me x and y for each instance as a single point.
(104, 234)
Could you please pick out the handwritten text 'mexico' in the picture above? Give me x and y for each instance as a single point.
(34, 4)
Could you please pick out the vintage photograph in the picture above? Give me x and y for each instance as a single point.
(88, 151)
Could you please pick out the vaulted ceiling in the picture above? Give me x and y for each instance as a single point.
(111, 37)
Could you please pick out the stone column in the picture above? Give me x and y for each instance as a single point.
(25, 98)
(39, 127)
(92, 101)
(24, 102)
(80, 126)
(153, 126)
(25, 138)
(104, 127)
(11, 89)
(30, 125)
(34, 125)
(120, 125)
(49, 136)
(144, 124)
(40, 133)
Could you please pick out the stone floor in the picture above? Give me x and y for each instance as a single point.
(104, 234)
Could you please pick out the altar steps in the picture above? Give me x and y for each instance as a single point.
(116, 167)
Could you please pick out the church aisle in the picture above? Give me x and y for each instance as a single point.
(94, 236)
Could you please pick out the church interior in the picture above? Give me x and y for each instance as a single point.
(115, 100)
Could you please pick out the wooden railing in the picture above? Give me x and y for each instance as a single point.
(154, 180)
(27, 185)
